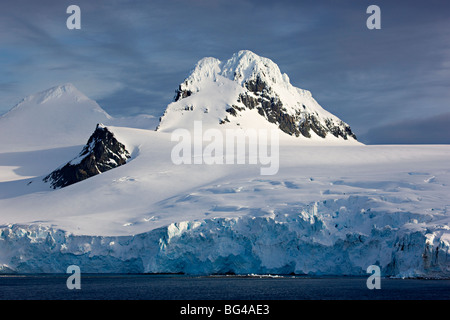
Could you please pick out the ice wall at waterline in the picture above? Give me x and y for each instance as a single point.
(321, 239)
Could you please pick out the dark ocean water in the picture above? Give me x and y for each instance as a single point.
(180, 287)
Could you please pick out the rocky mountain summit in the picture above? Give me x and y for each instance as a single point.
(248, 82)
(101, 153)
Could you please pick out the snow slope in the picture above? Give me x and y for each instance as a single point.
(329, 210)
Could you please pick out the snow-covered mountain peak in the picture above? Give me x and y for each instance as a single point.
(237, 92)
(245, 65)
(242, 67)
(59, 116)
(206, 68)
(62, 98)
(58, 92)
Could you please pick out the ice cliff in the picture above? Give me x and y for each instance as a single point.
(325, 238)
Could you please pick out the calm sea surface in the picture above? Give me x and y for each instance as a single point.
(180, 287)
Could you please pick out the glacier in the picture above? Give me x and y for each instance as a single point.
(320, 239)
(330, 210)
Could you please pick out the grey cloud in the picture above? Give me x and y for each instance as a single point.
(133, 54)
(431, 130)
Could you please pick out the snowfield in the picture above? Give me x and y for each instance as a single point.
(330, 210)
(334, 207)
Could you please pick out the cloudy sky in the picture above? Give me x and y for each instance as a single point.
(391, 85)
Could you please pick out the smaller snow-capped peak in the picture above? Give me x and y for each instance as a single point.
(59, 116)
(61, 97)
(58, 92)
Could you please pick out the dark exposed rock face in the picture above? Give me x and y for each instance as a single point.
(181, 93)
(233, 110)
(101, 153)
(259, 96)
